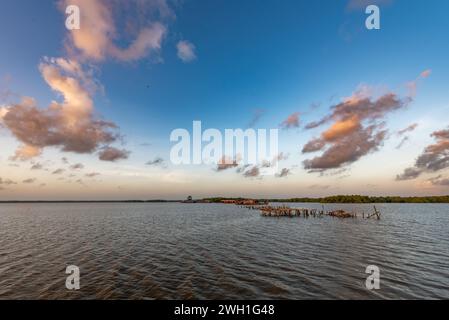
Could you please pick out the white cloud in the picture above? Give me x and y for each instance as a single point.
(186, 51)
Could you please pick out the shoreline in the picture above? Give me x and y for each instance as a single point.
(339, 199)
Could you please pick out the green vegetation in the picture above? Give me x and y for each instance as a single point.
(355, 199)
(219, 199)
(332, 199)
(368, 199)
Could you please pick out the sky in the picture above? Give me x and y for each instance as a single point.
(87, 114)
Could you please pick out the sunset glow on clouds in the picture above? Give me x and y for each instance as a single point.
(95, 40)
(69, 125)
(87, 114)
(357, 130)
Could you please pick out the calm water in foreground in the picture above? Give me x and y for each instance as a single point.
(202, 251)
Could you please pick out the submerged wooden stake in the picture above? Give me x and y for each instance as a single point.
(284, 211)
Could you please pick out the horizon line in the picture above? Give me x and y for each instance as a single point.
(221, 198)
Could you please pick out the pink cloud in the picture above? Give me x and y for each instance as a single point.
(356, 130)
(292, 121)
(69, 124)
(95, 39)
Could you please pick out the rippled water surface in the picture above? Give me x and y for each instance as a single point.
(208, 251)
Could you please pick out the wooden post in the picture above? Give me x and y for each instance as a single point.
(377, 213)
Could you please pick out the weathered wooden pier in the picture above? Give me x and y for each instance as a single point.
(284, 211)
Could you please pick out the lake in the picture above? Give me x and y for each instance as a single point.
(215, 251)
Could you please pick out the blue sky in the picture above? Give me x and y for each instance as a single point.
(279, 57)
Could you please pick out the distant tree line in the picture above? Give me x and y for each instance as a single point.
(332, 199)
(368, 199)
(220, 199)
(352, 199)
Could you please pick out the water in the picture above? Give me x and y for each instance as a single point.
(208, 251)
